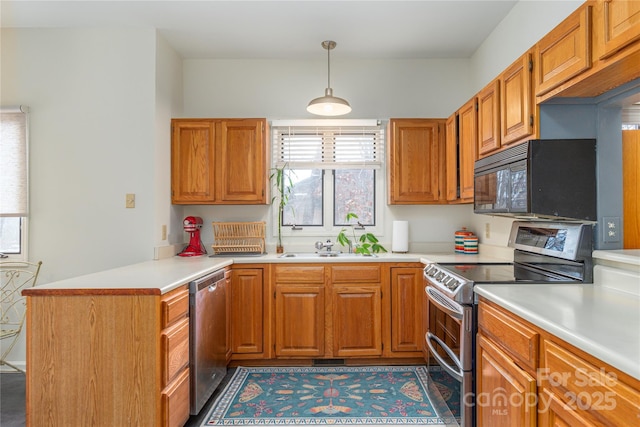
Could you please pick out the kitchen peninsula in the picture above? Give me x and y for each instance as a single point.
(98, 344)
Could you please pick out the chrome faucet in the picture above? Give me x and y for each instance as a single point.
(328, 244)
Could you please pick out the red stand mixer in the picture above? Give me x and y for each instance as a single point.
(192, 225)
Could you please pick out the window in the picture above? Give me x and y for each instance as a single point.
(14, 178)
(333, 168)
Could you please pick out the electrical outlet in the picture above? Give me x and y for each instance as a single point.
(164, 232)
(487, 230)
(130, 201)
(611, 229)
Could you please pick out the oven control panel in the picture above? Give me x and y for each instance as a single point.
(451, 284)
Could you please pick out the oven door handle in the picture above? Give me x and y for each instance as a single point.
(452, 309)
(455, 373)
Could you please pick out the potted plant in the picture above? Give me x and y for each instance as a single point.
(283, 184)
(368, 243)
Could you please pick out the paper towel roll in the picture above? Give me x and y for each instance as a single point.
(400, 238)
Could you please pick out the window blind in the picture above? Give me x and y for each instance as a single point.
(13, 161)
(328, 147)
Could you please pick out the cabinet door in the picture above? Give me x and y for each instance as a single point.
(467, 140)
(406, 309)
(451, 157)
(299, 320)
(516, 105)
(489, 118)
(241, 163)
(620, 23)
(175, 402)
(552, 412)
(192, 161)
(416, 160)
(505, 394)
(247, 298)
(357, 317)
(564, 52)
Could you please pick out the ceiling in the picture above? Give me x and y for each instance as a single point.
(265, 29)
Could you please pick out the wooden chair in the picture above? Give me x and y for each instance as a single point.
(14, 276)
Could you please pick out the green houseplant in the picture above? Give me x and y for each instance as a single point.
(283, 185)
(365, 245)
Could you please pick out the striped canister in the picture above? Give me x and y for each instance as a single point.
(459, 239)
(471, 245)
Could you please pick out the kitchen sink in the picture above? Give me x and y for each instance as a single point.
(321, 255)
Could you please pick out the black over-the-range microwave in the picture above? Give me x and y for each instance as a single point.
(543, 178)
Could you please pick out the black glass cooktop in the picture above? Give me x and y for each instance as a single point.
(502, 273)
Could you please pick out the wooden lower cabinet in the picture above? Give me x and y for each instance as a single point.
(357, 321)
(505, 393)
(560, 386)
(299, 320)
(407, 293)
(249, 308)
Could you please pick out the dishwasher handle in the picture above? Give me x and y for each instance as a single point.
(209, 281)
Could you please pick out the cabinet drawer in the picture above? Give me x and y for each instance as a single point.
(175, 401)
(175, 350)
(174, 305)
(352, 274)
(299, 274)
(586, 388)
(520, 341)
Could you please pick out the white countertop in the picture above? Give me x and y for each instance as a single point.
(599, 320)
(167, 274)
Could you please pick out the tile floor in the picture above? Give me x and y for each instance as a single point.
(12, 400)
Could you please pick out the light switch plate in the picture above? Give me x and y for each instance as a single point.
(130, 200)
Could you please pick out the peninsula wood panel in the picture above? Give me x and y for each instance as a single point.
(93, 360)
(631, 188)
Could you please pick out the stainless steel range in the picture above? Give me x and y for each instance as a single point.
(543, 252)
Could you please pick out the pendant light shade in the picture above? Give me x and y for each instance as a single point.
(328, 105)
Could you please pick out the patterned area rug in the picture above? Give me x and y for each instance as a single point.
(336, 396)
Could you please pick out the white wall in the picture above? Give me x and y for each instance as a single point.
(101, 100)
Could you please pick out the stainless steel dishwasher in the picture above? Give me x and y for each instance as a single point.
(207, 336)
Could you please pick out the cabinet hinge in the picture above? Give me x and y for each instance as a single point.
(530, 65)
(531, 120)
(477, 106)
(274, 294)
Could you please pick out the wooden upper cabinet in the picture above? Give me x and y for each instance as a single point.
(451, 156)
(467, 140)
(219, 161)
(564, 52)
(516, 106)
(241, 172)
(416, 161)
(192, 158)
(620, 21)
(489, 118)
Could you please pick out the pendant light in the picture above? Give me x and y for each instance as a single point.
(328, 105)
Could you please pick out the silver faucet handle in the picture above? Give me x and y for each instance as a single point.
(319, 245)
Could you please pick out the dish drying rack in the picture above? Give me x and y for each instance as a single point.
(238, 237)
